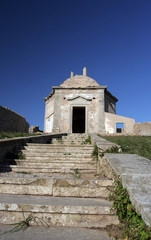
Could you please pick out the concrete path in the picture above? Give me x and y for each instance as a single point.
(53, 233)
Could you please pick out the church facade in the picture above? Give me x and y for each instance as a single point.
(81, 105)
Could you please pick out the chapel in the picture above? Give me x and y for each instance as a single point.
(81, 105)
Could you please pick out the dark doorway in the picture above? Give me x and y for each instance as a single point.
(78, 120)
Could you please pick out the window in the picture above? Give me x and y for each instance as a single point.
(119, 127)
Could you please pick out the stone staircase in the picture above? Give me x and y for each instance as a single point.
(57, 182)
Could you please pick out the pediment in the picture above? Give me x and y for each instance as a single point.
(79, 99)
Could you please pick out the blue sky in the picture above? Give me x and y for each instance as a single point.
(41, 41)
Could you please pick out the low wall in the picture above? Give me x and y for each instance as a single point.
(135, 172)
(142, 129)
(13, 144)
(11, 121)
(112, 119)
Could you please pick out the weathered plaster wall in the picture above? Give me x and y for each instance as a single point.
(110, 102)
(92, 99)
(11, 121)
(112, 119)
(49, 114)
(142, 129)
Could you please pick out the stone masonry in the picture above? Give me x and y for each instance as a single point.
(78, 106)
(11, 121)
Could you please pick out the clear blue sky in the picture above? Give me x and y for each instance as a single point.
(41, 41)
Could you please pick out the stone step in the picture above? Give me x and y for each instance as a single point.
(55, 186)
(57, 160)
(63, 157)
(54, 233)
(53, 146)
(45, 154)
(59, 151)
(56, 211)
(15, 168)
(55, 164)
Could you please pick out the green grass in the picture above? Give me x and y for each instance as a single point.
(4, 135)
(140, 145)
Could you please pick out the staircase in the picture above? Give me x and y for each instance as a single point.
(57, 182)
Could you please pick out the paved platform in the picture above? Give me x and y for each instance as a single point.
(53, 233)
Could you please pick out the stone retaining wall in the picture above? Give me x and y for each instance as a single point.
(11, 121)
(11, 145)
(135, 172)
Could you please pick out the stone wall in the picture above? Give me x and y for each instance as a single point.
(142, 129)
(11, 121)
(112, 119)
(49, 114)
(13, 144)
(134, 171)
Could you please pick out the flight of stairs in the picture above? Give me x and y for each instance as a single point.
(59, 183)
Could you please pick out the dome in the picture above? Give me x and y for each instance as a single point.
(79, 81)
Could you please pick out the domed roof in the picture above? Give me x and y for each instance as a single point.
(81, 81)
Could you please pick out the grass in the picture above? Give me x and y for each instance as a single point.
(95, 152)
(24, 172)
(88, 140)
(14, 155)
(25, 223)
(4, 135)
(140, 145)
(77, 173)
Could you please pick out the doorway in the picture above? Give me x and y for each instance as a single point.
(78, 120)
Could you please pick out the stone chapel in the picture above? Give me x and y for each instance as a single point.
(81, 105)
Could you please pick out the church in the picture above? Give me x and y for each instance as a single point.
(81, 105)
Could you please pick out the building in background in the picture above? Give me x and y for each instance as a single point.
(81, 105)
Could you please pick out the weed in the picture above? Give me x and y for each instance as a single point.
(132, 225)
(60, 140)
(96, 175)
(113, 149)
(14, 155)
(26, 222)
(77, 174)
(20, 155)
(24, 172)
(88, 140)
(95, 152)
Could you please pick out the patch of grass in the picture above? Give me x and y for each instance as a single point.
(88, 140)
(4, 135)
(23, 172)
(59, 140)
(113, 149)
(26, 222)
(132, 225)
(20, 155)
(140, 145)
(77, 173)
(14, 155)
(95, 152)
